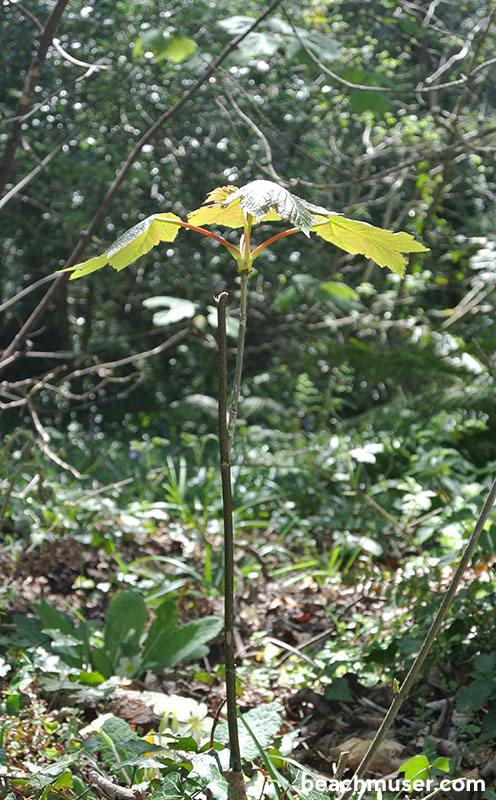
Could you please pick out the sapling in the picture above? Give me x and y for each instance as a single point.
(233, 207)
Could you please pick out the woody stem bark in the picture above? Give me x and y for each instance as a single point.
(235, 778)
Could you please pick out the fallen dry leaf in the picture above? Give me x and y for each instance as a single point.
(387, 759)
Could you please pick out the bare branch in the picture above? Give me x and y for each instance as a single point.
(44, 444)
(36, 171)
(90, 68)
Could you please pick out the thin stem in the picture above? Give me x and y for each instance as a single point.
(427, 644)
(256, 252)
(211, 235)
(236, 778)
(238, 369)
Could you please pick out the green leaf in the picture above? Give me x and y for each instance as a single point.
(124, 623)
(206, 767)
(90, 678)
(258, 198)
(264, 722)
(156, 650)
(261, 44)
(179, 48)
(339, 690)
(287, 298)
(64, 781)
(116, 732)
(133, 244)
(53, 619)
(170, 789)
(100, 663)
(335, 289)
(361, 100)
(382, 246)
(476, 694)
(188, 641)
(441, 763)
(141, 238)
(416, 768)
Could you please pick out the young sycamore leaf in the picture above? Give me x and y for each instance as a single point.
(137, 241)
(259, 201)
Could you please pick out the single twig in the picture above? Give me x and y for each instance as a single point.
(44, 444)
(236, 775)
(238, 369)
(427, 644)
(111, 790)
(216, 722)
(34, 172)
(90, 68)
(31, 288)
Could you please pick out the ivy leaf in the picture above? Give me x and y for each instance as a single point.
(133, 244)
(382, 246)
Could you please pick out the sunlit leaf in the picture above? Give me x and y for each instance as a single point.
(416, 768)
(265, 201)
(179, 48)
(382, 246)
(133, 244)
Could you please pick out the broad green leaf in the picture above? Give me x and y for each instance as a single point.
(124, 623)
(188, 641)
(171, 788)
(141, 238)
(441, 763)
(236, 24)
(64, 781)
(361, 100)
(264, 723)
(54, 620)
(179, 48)
(206, 767)
(100, 663)
(155, 647)
(133, 244)
(416, 768)
(382, 246)
(324, 46)
(476, 694)
(288, 296)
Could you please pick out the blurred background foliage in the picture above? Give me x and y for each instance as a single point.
(379, 109)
